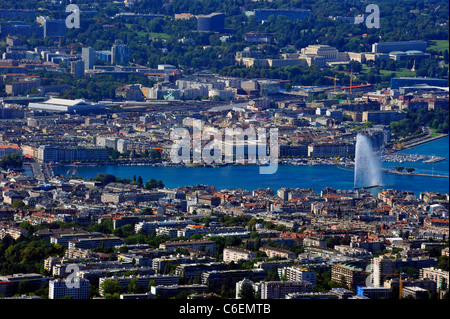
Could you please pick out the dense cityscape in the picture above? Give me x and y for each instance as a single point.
(101, 200)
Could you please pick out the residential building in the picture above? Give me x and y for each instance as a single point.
(143, 281)
(299, 273)
(278, 252)
(279, 289)
(382, 267)
(439, 276)
(235, 254)
(348, 275)
(166, 292)
(206, 245)
(415, 293)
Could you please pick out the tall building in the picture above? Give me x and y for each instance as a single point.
(77, 68)
(120, 52)
(88, 57)
(382, 267)
(279, 289)
(59, 289)
(214, 22)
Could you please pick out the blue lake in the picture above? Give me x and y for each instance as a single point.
(316, 177)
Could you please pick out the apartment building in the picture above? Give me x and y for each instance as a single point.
(382, 267)
(348, 275)
(279, 289)
(194, 244)
(439, 276)
(142, 281)
(278, 252)
(235, 254)
(297, 273)
(166, 292)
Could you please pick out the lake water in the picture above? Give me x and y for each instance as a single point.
(316, 177)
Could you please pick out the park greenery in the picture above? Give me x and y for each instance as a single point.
(11, 161)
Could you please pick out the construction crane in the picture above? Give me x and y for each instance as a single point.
(73, 46)
(351, 77)
(334, 79)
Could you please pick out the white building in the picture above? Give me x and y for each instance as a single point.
(382, 267)
(65, 105)
(235, 254)
(59, 288)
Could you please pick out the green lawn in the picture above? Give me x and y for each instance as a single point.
(439, 45)
(399, 72)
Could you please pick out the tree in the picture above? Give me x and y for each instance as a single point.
(410, 169)
(110, 287)
(246, 291)
(17, 203)
(399, 168)
(11, 161)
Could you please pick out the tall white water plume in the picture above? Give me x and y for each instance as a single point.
(367, 163)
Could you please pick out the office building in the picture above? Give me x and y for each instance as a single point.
(279, 289)
(387, 47)
(59, 289)
(119, 53)
(103, 55)
(330, 149)
(214, 22)
(374, 292)
(54, 28)
(88, 57)
(397, 83)
(49, 153)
